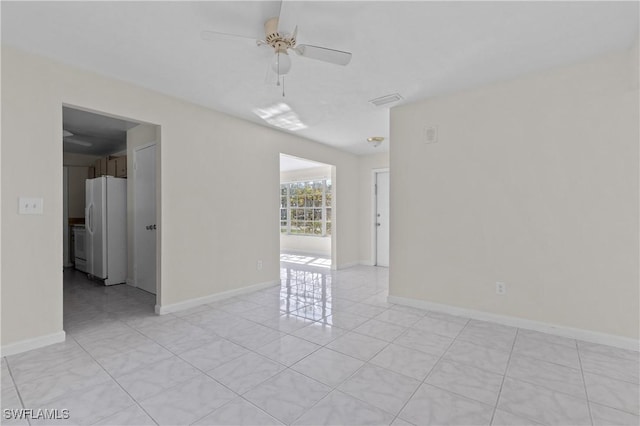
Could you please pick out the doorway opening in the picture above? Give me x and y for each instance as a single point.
(107, 183)
(381, 217)
(307, 213)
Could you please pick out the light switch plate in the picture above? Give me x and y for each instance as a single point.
(431, 134)
(30, 205)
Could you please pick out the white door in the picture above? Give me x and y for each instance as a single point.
(145, 218)
(382, 219)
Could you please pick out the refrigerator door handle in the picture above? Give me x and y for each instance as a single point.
(90, 218)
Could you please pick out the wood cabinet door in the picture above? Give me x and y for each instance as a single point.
(111, 167)
(121, 167)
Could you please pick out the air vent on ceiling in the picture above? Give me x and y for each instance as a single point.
(383, 100)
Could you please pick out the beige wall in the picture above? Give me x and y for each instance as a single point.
(304, 244)
(140, 135)
(299, 243)
(533, 182)
(209, 162)
(368, 164)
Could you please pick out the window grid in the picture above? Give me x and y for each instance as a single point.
(305, 208)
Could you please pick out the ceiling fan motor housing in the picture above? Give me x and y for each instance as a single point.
(274, 39)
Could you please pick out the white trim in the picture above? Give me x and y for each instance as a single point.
(347, 265)
(131, 282)
(306, 253)
(558, 330)
(34, 343)
(197, 301)
(374, 212)
(366, 263)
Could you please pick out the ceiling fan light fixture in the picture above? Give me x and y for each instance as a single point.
(281, 63)
(375, 140)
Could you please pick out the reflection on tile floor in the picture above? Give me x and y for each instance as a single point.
(323, 348)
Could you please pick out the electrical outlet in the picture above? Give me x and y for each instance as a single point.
(501, 288)
(259, 265)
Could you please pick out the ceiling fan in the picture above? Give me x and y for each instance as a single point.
(282, 43)
(67, 136)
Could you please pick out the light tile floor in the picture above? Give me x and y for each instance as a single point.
(323, 348)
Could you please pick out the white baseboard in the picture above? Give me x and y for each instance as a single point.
(131, 282)
(34, 343)
(558, 330)
(347, 265)
(367, 262)
(306, 253)
(192, 303)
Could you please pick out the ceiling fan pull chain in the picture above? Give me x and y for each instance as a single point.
(283, 86)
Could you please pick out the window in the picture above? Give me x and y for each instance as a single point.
(305, 208)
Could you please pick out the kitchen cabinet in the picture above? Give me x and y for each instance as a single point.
(101, 166)
(121, 166)
(110, 166)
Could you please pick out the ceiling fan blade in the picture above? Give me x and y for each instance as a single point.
(66, 133)
(280, 9)
(285, 17)
(333, 56)
(215, 35)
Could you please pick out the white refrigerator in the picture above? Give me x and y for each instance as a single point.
(106, 229)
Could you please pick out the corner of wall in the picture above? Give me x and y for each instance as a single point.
(634, 66)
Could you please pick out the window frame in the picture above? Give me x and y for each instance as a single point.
(310, 182)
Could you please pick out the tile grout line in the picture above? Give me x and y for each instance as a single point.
(15, 385)
(181, 382)
(504, 376)
(334, 387)
(584, 383)
(430, 371)
(116, 382)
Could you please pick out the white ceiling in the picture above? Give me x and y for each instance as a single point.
(418, 49)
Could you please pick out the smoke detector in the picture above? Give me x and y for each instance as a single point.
(375, 140)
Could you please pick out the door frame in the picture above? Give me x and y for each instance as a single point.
(374, 208)
(135, 224)
(66, 237)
